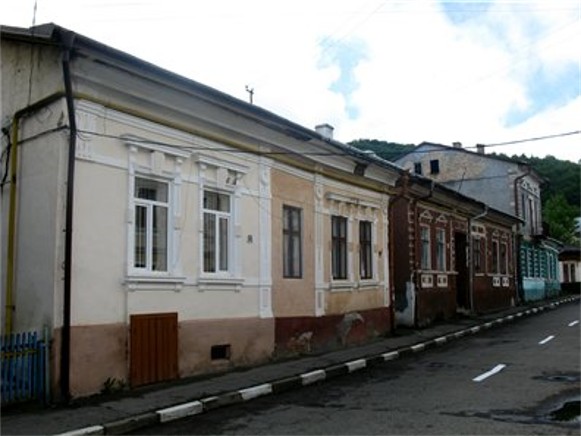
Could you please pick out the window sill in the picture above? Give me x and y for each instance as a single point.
(368, 284)
(220, 284)
(156, 283)
(342, 286)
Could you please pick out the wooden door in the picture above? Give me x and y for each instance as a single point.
(153, 348)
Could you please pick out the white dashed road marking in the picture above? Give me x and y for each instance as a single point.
(487, 374)
(547, 339)
(571, 324)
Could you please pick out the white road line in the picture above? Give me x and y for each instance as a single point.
(571, 324)
(547, 339)
(487, 374)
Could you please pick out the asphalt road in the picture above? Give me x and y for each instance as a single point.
(507, 380)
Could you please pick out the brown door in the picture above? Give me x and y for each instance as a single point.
(153, 348)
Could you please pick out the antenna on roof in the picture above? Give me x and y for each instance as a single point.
(250, 92)
(34, 13)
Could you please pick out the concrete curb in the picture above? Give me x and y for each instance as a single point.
(203, 405)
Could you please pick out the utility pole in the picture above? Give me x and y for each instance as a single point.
(250, 92)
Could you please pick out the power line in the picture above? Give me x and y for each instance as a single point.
(538, 138)
(318, 153)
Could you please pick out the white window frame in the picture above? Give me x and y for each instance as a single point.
(147, 161)
(150, 206)
(220, 215)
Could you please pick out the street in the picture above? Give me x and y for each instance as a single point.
(522, 378)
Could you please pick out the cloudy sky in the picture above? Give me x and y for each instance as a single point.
(473, 71)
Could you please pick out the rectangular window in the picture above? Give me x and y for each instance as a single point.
(151, 200)
(339, 247)
(434, 166)
(418, 168)
(365, 250)
(495, 258)
(569, 273)
(216, 231)
(292, 242)
(441, 249)
(426, 258)
(503, 258)
(477, 255)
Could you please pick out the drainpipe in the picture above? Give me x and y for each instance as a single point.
(400, 193)
(9, 300)
(67, 40)
(518, 238)
(416, 271)
(471, 251)
(9, 305)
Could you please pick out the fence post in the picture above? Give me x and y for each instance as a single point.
(46, 356)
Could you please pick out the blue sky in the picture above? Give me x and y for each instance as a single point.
(396, 70)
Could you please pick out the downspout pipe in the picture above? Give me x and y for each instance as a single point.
(10, 258)
(471, 252)
(67, 40)
(518, 237)
(401, 193)
(9, 303)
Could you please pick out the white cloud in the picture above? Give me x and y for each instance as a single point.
(423, 78)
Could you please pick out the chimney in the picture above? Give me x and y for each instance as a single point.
(480, 148)
(457, 144)
(325, 130)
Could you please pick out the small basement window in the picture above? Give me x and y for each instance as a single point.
(218, 352)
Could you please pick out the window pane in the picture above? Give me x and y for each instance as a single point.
(140, 260)
(209, 242)
(365, 248)
(292, 262)
(503, 258)
(339, 244)
(223, 244)
(441, 250)
(425, 247)
(153, 190)
(159, 249)
(216, 201)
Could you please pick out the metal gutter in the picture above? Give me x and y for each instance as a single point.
(67, 40)
(12, 207)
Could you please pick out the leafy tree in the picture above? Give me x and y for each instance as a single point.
(560, 216)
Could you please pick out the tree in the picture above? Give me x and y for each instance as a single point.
(560, 216)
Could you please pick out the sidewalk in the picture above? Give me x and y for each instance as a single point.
(146, 406)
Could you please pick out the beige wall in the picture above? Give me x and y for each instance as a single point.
(293, 297)
(321, 197)
(357, 204)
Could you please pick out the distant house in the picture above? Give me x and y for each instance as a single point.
(506, 185)
(450, 253)
(570, 265)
